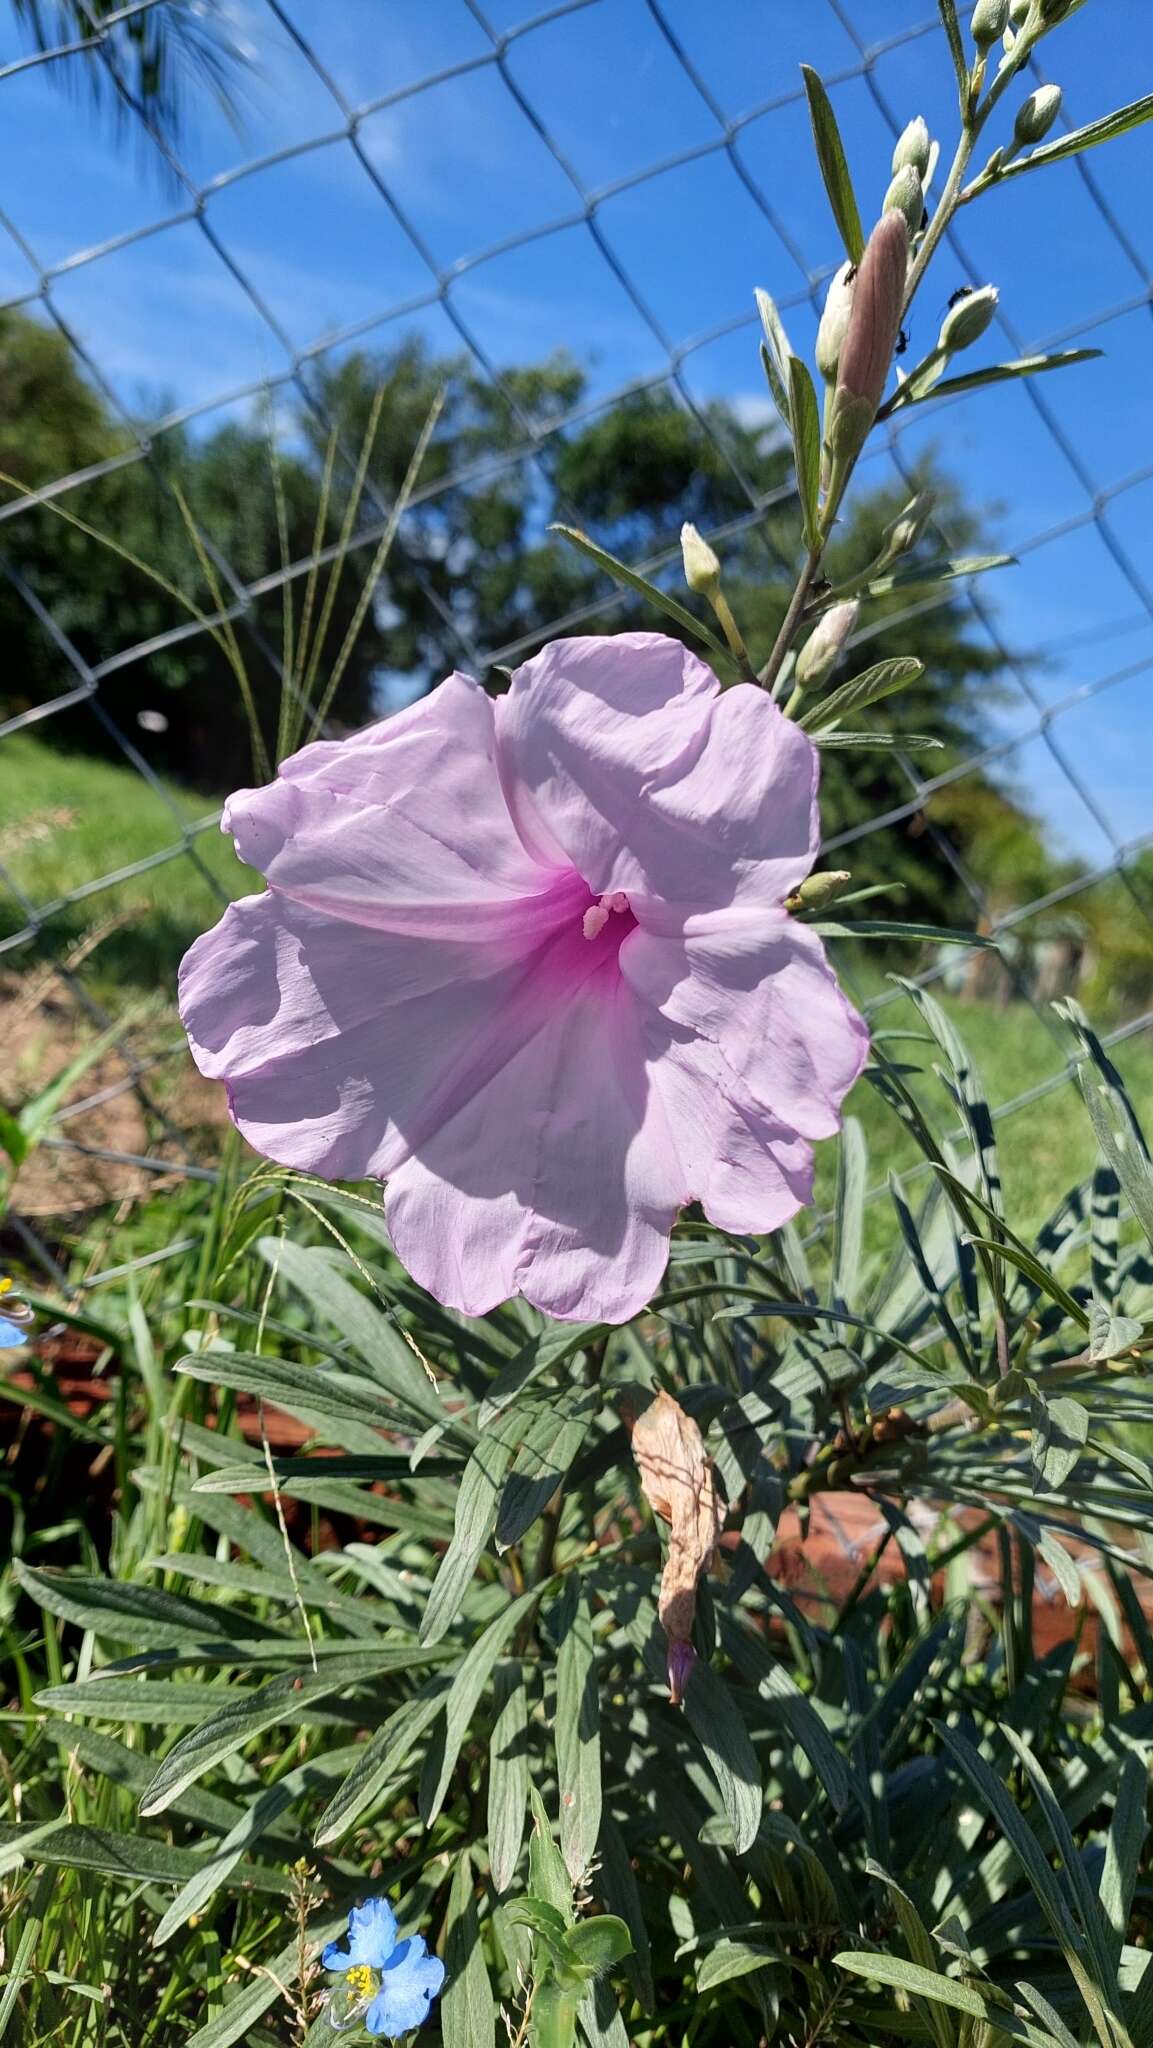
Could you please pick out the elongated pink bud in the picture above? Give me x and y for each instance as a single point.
(875, 321)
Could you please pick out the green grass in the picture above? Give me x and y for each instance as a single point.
(70, 820)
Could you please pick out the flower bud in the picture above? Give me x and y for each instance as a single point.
(835, 321)
(702, 569)
(1037, 114)
(817, 890)
(990, 20)
(1053, 11)
(906, 196)
(966, 322)
(874, 323)
(907, 528)
(824, 646)
(913, 148)
(1019, 12)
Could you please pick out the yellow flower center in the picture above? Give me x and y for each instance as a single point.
(5, 1284)
(361, 1979)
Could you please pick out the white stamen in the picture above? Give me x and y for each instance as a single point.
(597, 915)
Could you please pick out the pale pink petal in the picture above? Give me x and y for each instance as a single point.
(623, 756)
(757, 985)
(332, 1038)
(749, 1171)
(559, 1180)
(403, 827)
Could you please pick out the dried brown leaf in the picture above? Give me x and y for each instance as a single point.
(676, 1475)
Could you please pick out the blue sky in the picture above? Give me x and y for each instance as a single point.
(169, 326)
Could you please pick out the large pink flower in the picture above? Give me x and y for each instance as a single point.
(528, 960)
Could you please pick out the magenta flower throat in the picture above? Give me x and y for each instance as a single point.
(527, 960)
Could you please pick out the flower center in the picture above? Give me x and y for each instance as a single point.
(598, 914)
(351, 1999)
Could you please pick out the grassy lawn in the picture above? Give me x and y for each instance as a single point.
(69, 820)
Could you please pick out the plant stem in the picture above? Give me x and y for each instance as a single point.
(791, 620)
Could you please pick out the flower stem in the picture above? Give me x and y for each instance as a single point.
(792, 619)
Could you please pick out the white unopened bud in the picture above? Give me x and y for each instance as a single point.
(990, 20)
(835, 321)
(825, 644)
(906, 196)
(906, 530)
(914, 147)
(702, 569)
(1037, 114)
(966, 322)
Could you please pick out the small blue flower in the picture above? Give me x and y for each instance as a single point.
(389, 1985)
(14, 1325)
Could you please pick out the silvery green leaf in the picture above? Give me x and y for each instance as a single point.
(918, 387)
(640, 585)
(1110, 1335)
(1060, 1428)
(868, 688)
(833, 166)
(775, 355)
(944, 571)
(952, 27)
(806, 424)
(906, 742)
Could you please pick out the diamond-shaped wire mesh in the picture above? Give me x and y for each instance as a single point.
(522, 72)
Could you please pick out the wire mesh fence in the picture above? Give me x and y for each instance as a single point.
(1043, 727)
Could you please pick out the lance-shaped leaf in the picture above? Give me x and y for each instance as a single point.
(915, 391)
(676, 1475)
(906, 742)
(640, 585)
(775, 355)
(806, 425)
(834, 167)
(468, 2009)
(869, 688)
(578, 1737)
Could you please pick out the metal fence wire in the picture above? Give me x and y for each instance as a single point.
(167, 1150)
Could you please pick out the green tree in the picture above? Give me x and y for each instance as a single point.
(474, 568)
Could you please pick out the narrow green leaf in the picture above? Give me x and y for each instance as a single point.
(371, 1332)
(833, 165)
(902, 1976)
(731, 1959)
(578, 1739)
(145, 1702)
(1123, 1845)
(550, 1443)
(467, 2007)
(144, 1615)
(469, 1681)
(716, 1721)
(508, 1775)
(859, 692)
(775, 354)
(77, 1847)
(806, 423)
(1060, 1428)
(996, 373)
(893, 928)
(13, 1140)
(995, 1796)
(620, 573)
(849, 1213)
(618, 1887)
(379, 1762)
(249, 1713)
(1105, 129)
(1062, 1567)
(902, 742)
(548, 1878)
(925, 574)
(952, 27)
(476, 1506)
